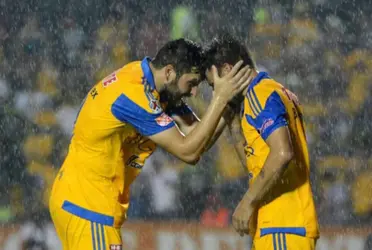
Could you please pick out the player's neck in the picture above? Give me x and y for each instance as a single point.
(255, 73)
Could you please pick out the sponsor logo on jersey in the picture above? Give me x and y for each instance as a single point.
(115, 247)
(131, 162)
(164, 120)
(267, 123)
(109, 80)
(248, 150)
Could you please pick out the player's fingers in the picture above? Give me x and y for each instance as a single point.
(235, 69)
(214, 72)
(241, 228)
(236, 227)
(245, 76)
(240, 74)
(243, 85)
(235, 224)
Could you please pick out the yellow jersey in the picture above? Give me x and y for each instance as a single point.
(289, 206)
(110, 145)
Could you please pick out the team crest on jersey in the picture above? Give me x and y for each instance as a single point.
(154, 102)
(163, 120)
(115, 247)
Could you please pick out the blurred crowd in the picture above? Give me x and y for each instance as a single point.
(51, 54)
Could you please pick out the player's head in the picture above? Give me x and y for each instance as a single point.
(224, 52)
(179, 62)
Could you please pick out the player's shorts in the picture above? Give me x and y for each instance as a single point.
(77, 233)
(283, 241)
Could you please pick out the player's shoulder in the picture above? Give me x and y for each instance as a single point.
(266, 86)
(263, 87)
(137, 88)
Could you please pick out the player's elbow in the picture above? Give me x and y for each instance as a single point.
(191, 159)
(285, 156)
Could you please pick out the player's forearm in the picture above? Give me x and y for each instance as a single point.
(197, 140)
(238, 139)
(226, 117)
(269, 175)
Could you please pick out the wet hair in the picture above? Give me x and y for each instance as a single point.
(226, 49)
(185, 56)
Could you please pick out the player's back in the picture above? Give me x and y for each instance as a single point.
(106, 151)
(288, 207)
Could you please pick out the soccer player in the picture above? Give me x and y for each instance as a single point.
(120, 121)
(278, 209)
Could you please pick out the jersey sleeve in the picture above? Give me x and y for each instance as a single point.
(146, 123)
(269, 118)
(180, 110)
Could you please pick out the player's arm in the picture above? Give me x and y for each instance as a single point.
(281, 153)
(189, 148)
(272, 125)
(236, 134)
(188, 122)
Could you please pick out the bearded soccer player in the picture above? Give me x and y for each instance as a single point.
(120, 121)
(278, 209)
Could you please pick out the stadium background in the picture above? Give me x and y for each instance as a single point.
(52, 52)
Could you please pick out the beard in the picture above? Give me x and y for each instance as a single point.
(172, 94)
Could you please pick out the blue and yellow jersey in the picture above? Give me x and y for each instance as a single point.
(110, 144)
(289, 206)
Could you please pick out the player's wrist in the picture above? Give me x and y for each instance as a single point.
(220, 101)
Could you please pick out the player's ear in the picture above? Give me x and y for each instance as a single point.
(225, 69)
(170, 73)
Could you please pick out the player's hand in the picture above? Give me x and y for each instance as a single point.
(233, 83)
(241, 217)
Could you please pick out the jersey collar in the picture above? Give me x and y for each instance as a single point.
(147, 74)
(261, 75)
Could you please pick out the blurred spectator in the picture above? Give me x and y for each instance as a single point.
(153, 32)
(215, 214)
(335, 206)
(362, 200)
(73, 36)
(184, 24)
(164, 184)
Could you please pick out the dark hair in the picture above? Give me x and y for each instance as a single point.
(185, 56)
(226, 49)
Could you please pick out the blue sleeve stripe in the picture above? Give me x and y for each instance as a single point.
(254, 103)
(268, 132)
(147, 124)
(274, 241)
(250, 105)
(257, 101)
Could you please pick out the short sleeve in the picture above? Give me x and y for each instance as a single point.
(271, 117)
(147, 124)
(179, 110)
